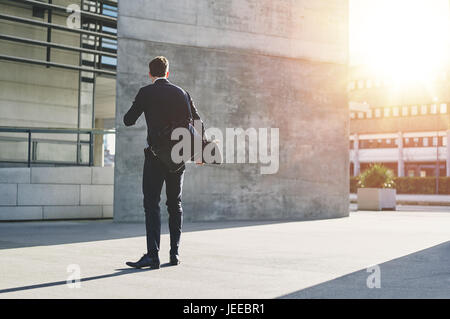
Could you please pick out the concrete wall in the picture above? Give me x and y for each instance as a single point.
(42, 193)
(246, 63)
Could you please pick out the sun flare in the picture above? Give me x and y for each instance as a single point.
(400, 40)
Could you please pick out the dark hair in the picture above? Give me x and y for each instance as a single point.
(159, 66)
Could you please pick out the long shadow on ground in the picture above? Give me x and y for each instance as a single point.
(118, 272)
(423, 274)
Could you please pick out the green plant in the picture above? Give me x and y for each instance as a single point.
(376, 176)
(422, 185)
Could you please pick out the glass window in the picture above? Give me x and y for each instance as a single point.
(387, 111)
(404, 110)
(406, 141)
(369, 114)
(38, 12)
(425, 141)
(444, 140)
(423, 109)
(423, 173)
(443, 108)
(369, 84)
(360, 115)
(395, 111)
(414, 110)
(351, 85)
(377, 113)
(352, 115)
(433, 108)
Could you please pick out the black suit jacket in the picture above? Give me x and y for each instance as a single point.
(162, 103)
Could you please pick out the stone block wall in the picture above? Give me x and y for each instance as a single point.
(44, 193)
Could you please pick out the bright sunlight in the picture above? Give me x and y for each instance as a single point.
(403, 40)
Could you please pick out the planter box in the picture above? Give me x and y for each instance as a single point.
(376, 198)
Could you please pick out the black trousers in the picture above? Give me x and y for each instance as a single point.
(155, 174)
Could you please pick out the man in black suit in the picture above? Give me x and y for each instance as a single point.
(162, 103)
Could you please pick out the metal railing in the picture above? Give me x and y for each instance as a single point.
(94, 27)
(32, 143)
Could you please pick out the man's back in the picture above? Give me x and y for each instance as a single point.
(162, 103)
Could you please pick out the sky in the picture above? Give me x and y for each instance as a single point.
(386, 34)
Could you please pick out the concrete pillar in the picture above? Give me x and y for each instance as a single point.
(219, 53)
(448, 153)
(356, 166)
(99, 154)
(400, 161)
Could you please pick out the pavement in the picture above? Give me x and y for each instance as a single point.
(404, 253)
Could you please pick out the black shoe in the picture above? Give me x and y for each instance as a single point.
(145, 261)
(174, 260)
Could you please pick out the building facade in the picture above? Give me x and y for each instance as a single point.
(57, 108)
(57, 61)
(404, 125)
(247, 64)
